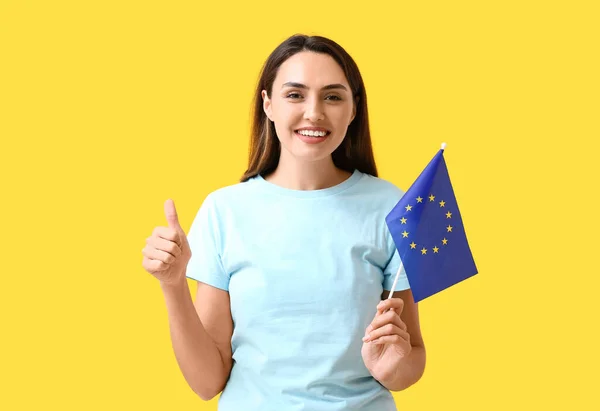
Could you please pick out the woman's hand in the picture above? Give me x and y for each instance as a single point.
(386, 342)
(167, 251)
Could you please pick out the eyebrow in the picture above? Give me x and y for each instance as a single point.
(300, 85)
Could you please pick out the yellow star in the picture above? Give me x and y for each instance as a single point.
(403, 220)
(431, 197)
(424, 251)
(448, 214)
(404, 234)
(419, 199)
(408, 207)
(442, 203)
(449, 228)
(435, 249)
(413, 245)
(444, 241)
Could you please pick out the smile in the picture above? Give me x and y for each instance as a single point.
(313, 133)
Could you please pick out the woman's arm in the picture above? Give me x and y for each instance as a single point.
(201, 336)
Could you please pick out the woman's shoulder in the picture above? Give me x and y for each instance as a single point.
(234, 193)
(378, 186)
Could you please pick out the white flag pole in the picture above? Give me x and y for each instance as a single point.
(395, 280)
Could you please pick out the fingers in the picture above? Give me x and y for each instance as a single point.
(155, 254)
(396, 303)
(390, 317)
(389, 330)
(171, 215)
(161, 244)
(153, 266)
(401, 337)
(167, 250)
(161, 249)
(167, 233)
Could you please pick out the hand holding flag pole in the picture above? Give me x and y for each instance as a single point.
(427, 230)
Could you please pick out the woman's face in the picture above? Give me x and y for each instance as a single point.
(311, 105)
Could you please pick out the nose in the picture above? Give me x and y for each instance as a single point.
(314, 110)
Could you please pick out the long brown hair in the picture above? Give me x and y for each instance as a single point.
(355, 151)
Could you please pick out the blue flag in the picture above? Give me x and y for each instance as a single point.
(428, 232)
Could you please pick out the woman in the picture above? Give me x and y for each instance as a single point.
(294, 264)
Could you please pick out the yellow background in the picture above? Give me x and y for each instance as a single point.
(109, 108)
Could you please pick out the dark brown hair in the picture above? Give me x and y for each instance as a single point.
(355, 151)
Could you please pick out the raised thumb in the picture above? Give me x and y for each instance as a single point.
(171, 214)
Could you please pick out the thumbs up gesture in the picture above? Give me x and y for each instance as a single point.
(167, 251)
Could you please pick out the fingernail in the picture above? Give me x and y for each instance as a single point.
(366, 337)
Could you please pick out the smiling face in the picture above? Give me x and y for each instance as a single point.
(311, 106)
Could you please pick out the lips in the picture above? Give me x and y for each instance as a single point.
(312, 139)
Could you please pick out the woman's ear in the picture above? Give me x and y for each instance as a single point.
(354, 109)
(266, 104)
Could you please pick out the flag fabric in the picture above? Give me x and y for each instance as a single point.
(428, 232)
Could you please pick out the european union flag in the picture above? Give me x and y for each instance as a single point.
(428, 232)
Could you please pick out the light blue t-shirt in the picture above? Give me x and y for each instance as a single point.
(305, 271)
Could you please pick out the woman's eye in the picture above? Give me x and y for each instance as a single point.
(295, 96)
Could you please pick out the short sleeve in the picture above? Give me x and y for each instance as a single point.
(389, 273)
(206, 265)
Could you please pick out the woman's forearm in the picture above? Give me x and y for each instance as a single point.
(197, 354)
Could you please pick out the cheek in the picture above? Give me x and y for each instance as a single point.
(341, 119)
(287, 116)
(341, 115)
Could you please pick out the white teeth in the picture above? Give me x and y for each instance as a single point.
(312, 133)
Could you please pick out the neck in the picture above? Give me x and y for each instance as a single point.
(307, 175)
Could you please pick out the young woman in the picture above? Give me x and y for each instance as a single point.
(294, 264)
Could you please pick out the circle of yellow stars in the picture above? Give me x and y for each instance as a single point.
(449, 228)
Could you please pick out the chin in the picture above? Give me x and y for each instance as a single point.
(309, 151)
(311, 155)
